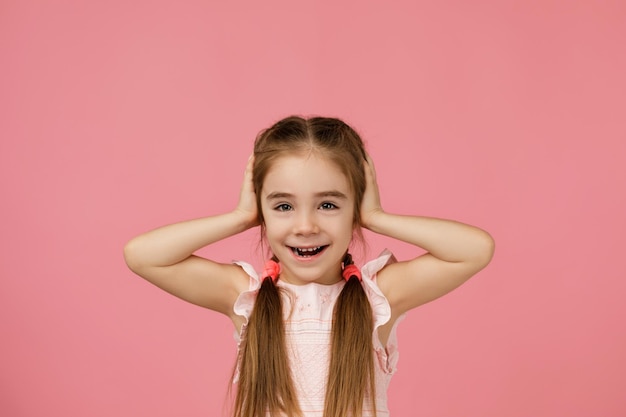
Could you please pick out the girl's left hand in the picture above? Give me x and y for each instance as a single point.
(370, 205)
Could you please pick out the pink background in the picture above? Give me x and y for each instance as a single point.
(120, 116)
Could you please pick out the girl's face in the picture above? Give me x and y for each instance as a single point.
(308, 209)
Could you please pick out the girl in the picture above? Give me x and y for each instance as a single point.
(316, 334)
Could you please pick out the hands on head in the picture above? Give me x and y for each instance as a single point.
(369, 209)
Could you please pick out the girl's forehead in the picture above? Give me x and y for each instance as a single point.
(311, 171)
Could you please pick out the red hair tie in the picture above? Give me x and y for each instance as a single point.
(350, 271)
(272, 270)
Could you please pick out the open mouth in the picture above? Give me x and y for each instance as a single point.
(308, 252)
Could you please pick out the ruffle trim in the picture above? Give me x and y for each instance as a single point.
(245, 302)
(387, 355)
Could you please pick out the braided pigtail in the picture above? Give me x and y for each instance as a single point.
(351, 376)
(265, 382)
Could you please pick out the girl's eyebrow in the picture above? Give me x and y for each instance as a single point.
(332, 193)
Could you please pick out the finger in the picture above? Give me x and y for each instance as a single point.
(249, 165)
(369, 167)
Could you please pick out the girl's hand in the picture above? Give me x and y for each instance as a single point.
(247, 206)
(370, 206)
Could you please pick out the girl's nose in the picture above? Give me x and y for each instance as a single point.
(305, 224)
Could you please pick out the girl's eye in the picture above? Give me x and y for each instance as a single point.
(328, 206)
(283, 207)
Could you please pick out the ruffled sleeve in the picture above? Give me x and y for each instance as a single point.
(387, 355)
(245, 302)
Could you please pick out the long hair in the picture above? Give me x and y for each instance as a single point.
(265, 380)
(351, 377)
(264, 376)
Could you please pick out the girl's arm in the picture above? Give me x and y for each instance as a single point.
(455, 252)
(164, 256)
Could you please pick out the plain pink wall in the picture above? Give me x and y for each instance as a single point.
(120, 116)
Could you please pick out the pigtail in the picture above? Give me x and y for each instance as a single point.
(265, 382)
(351, 376)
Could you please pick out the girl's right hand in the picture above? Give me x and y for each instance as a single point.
(247, 205)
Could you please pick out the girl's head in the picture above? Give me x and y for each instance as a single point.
(309, 181)
(324, 137)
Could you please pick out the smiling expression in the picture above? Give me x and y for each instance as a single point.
(308, 208)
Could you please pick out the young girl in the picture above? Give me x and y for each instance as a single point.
(316, 334)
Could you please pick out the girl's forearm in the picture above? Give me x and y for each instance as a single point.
(173, 243)
(447, 240)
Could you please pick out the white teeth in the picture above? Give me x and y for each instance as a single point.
(307, 251)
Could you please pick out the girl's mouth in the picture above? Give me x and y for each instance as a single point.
(307, 252)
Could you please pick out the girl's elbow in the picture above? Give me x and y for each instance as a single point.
(131, 256)
(486, 247)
